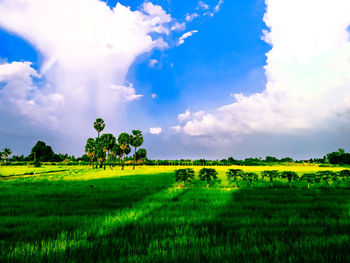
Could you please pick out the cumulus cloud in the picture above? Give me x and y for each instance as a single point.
(155, 131)
(186, 35)
(307, 71)
(153, 62)
(19, 93)
(88, 49)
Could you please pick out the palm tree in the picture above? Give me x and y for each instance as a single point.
(90, 149)
(136, 141)
(6, 153)
(99, 125)
(108, 141)
(124, 141)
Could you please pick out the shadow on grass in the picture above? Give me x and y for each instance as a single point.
(33, 212)
(197, 224)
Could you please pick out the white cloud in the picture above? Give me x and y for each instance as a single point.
(178, 26)
(218, 6)
(155, 131)
(124, 93)
(88, 49)
(153, 62)
(186, 35)
(202, 5)
(190, 17)
(307, 71)
(154, 96)
(20, 95)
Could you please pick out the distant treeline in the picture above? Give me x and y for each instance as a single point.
(45, 154)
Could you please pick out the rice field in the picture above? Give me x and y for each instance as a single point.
(77, 214)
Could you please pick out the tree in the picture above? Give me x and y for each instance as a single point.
(208, 174)
(141, 154)
(124, 144)
(108, 142)
(42, 152)
(99, 125)
(136, 140)
(6, 153)
(232, 175)
(290, 175)
(271, 174)
(184, 175)
(90, 149)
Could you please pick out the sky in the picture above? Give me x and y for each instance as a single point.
(201, 79)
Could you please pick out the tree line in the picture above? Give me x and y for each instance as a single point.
(107, 149)
(187, 175)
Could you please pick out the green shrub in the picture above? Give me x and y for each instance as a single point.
(310, 178)
(232, 175)
(250, 177)
(184, 175)
(208, 174)
(290, 175)
(344, 174)
(326, 176)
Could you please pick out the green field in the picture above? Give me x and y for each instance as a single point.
(76, 214)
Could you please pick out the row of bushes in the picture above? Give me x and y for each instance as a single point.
(233, 175)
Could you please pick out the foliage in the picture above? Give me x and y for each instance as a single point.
(5, 154)
(99, 125)
(184, 175)
(250, 177)
(339, 157)
(310, 178)
(208, 174)
(326, 176)
(136, 140)
(43, 153)
(90, 149)
(141, 154)
(124, 144)
(290, 175)
(37, 163)
(232, 175)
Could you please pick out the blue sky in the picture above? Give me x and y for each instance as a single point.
(239, 80)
